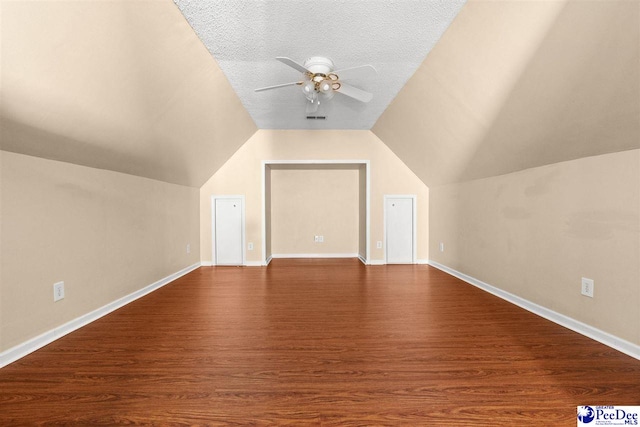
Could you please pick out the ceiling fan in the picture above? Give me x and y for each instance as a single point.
(320, 82)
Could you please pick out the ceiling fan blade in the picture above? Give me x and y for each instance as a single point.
(354, 92)
(361, 72)
(277, 86)
(293, 64)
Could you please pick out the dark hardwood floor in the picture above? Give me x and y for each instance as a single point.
(317, 342)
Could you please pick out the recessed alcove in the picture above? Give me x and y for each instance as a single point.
(335, 203)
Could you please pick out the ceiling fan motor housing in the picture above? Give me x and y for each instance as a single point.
(319, 65)
(320, 68)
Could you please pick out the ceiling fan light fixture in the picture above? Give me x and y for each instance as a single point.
(308, 89)
(326, 86)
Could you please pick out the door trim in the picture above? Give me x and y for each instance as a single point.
(213, 227)
(414, 237)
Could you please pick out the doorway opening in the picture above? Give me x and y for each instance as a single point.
(276, 174)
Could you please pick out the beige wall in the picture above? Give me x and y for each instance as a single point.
(105, 234)
(242, 175)
(537, 232)
(118, 85)
(308, 202)
(513, 85)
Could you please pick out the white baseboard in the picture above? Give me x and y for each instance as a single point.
(383, 262)
(29, 346)
(246, 264)
(314, 256)
(253, 264)
(605, 338)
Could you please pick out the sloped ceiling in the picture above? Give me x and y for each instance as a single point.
(119, 85)
(513, 85)
(128, 85)
(245, 36)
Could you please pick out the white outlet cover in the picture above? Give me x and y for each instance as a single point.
(587, 287)
(58, 291)
(250, 246)
(379, 244)
(441, 247)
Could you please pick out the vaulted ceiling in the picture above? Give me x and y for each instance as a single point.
(245, 37)
(119, 85)
(518, 84)
(464, 90)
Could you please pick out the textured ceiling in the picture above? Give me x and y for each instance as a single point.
(128, 85)
(246, 36)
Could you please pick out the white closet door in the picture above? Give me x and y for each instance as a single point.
(228, 231)
(399, 230)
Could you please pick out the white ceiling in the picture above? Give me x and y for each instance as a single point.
(129, 86)
(245, 37)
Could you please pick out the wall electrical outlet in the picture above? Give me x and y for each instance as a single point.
(441, 247)
(379, 244)
(587, 287)
(58, 291)
(321, 239)
(316, 239)
(250, 246)
(188, 248)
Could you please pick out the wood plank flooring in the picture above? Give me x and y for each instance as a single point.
(318, 343)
